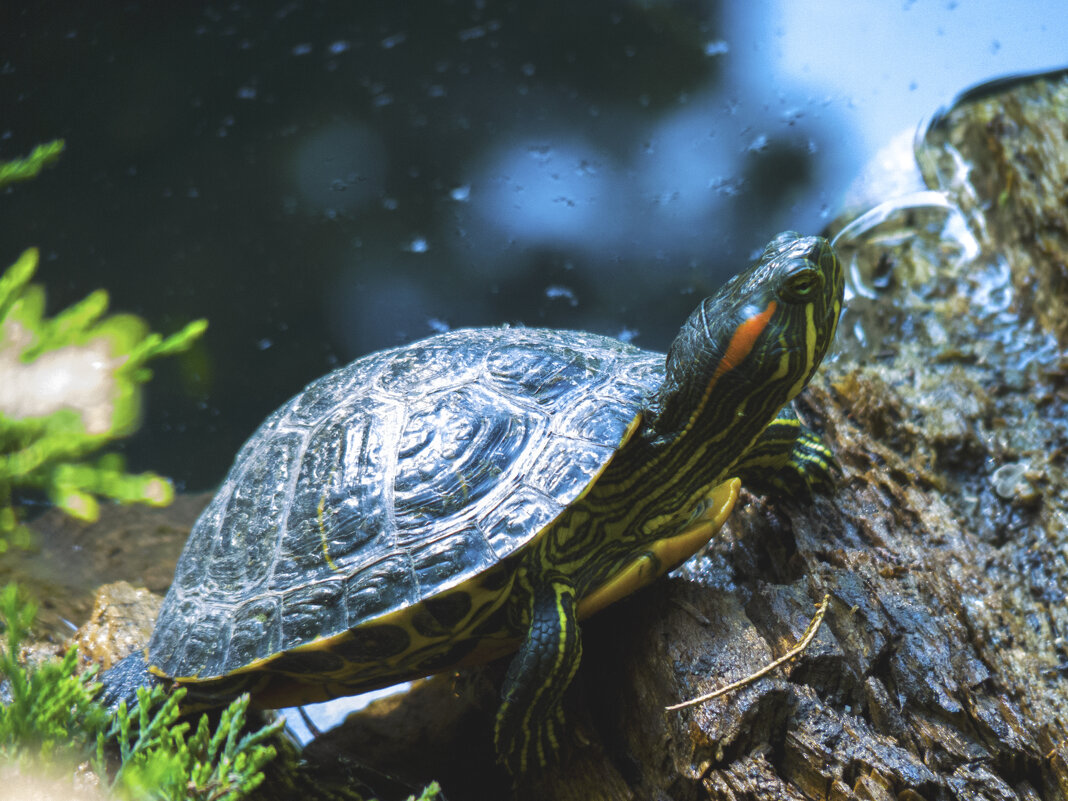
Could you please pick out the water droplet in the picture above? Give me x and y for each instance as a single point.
(227, 122)
(716, 47)
(338, 47)
(792, 115)
(556, 291)
(418, 245)
(476, 32)
(1010, 481)
(461, 194)
(728, 186)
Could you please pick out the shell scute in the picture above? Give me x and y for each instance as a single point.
(597, 420)
(257, 627)
(565, 463)
(456, 448)
(253, 521)
(441, 563)
(520, 371)
(192, 566)
(206, 642)
(429, 363)
(176, 616)
(322, 397)
(307, 662)
(509, 524)
(308, 610)
(339, 517)
(441, 614)
(642, 372)
(381, 586)
(373, 642)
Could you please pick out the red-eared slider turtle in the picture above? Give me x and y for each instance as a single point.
(478, 492)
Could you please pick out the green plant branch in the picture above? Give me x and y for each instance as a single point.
(99, 361)
(26, 168)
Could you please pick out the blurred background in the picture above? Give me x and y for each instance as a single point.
(324, 179)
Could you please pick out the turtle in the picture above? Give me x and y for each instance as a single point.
(477, 493)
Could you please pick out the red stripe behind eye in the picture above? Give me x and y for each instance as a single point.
(743, 340)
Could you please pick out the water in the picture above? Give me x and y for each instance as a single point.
(322, 180)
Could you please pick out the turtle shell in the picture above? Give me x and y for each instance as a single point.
(391, 480)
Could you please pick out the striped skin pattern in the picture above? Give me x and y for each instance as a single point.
(531, 711)
(788, 461)
(476, 493)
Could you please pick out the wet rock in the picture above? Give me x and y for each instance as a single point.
(1013, 137)
(71, 559)
(121, 623)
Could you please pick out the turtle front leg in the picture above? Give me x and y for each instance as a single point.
(530, 721)
(788, 460)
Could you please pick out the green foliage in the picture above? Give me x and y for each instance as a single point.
(48, 705)
(24, 169)
(69, 385)
(159, 760)
(430, 793)
(51, 720)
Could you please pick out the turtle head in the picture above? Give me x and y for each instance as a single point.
(752, 346)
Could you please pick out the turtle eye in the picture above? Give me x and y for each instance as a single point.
(802, 284)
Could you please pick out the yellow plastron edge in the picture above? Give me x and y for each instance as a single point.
(666, 554)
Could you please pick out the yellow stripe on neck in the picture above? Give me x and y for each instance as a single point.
(810, 351)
